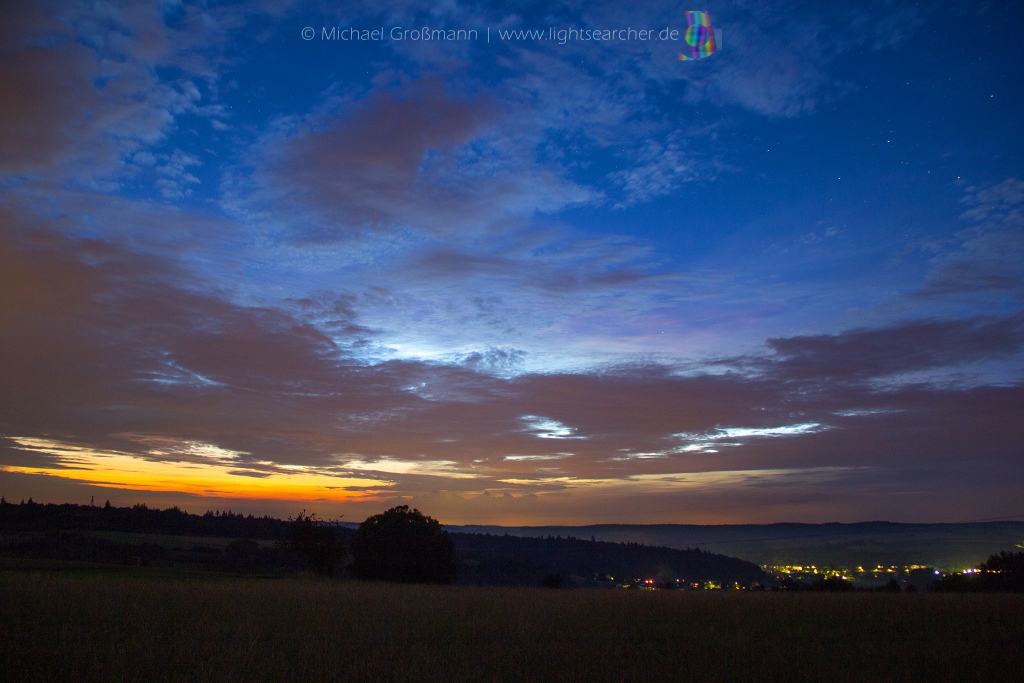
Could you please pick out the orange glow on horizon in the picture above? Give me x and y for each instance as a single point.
(214, 479)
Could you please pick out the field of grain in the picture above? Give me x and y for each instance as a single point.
(125, 626)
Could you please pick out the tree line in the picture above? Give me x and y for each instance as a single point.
(30, 516)
(400, 544)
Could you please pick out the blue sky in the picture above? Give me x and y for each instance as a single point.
(518, 281)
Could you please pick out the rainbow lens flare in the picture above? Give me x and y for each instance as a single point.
(699, 36)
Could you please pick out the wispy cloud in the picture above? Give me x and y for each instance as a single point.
(546, 428)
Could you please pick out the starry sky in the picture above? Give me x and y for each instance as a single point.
(511, 279)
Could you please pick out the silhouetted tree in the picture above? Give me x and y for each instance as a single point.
(1004, 561)
(403, 545)
(317, 541)
(1002, 572)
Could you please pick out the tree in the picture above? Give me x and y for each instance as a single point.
(1003, 572)
(403, 545)
(317, 541)
(1009, 562)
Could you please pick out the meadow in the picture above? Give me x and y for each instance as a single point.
(123, 625)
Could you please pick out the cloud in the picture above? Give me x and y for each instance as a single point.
(863, 354)
(81, 86)
(486, 154)
(74, 95)
(737, 436)
(45, 96)
(409, 157)
(496, 360)
(546, 428)
(1000, 205)
(520, 458)
(442, 468)
(662, 166)
(39, 275)
(120, 374)
(988, 257)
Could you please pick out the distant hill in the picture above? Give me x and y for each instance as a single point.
(224, 541)
(521, 560)
(944, 546)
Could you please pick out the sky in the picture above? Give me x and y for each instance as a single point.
(274, 255)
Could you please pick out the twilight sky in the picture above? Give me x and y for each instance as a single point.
(514, 280)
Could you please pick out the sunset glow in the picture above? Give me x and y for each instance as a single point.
(514, 261)
(198, 477)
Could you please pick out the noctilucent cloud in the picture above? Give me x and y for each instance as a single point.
(515, 262)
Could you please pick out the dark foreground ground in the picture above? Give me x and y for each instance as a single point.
(139, 626)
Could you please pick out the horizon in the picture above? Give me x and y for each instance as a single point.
(256, 256)
(117, 503)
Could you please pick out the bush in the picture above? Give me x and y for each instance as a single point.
(317, 542)
(403, 545)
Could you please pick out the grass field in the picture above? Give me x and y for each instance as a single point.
(149, 626)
